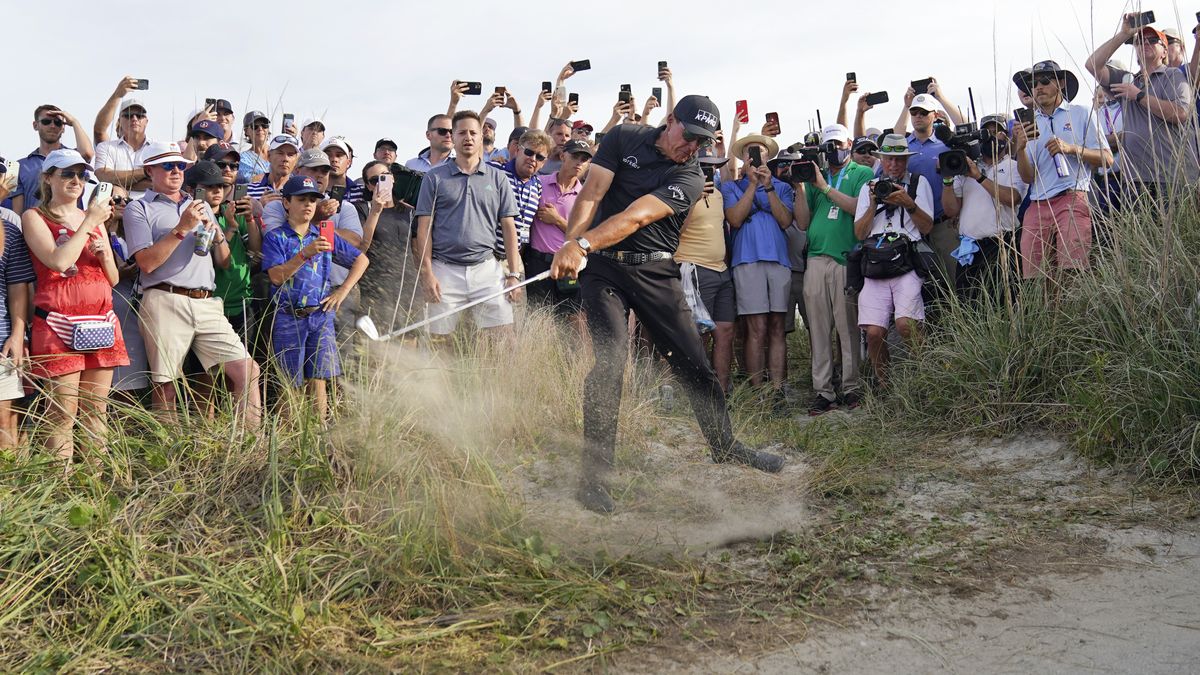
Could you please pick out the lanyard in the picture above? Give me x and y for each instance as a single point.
(841, 175)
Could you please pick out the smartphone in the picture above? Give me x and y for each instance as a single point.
(1144, 19)
(599, 137)
(922, 86)
(773, 119)
(626, 87)
(546, 86)
(877, 97)
(573, 98)
(755, 156)
(240, 191)
(624, 97)
(887, 132)
(210, 102)
(327, 231)
(662, 65)
(474, 88)
(288, 120)
(143, 85)
(709, 171)
(851, 77)
(102, 191)
(585, 64)
(743, 111)
(337, 192)
(1197, 17)
(384, 185)
(1023, 115)
(656, 92)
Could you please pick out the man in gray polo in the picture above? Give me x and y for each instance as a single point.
(1158, 142)
(457, 211)
(178, 310)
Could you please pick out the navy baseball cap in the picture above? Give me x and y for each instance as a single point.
(699, 115)
(208, 127)
(223, 105)
(300, 185)
(221, 151)
(386, 141)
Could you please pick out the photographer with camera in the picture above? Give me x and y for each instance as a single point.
(892, 214)
(984, 199)
(824, 209)
(1158, 139)
(1056, 153)
(927, 145)
(759, 208)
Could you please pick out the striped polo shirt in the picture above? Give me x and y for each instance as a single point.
(354, 191)
(527, 193)
(262, 188)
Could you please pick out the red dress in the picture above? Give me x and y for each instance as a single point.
(85, 292)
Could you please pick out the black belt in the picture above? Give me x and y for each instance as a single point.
(636, 258)
(300, 312)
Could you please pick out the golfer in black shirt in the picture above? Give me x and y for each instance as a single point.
(641, 184)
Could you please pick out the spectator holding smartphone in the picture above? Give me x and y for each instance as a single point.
(390, 287)
(341, 158)
(118, 160)
(1158, 134)
(1056, 154)
(207, 182)
(299, 260)
(256, 129)
(76, 272)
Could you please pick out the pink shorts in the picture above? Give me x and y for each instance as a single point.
(1056, 232)
(881, 299)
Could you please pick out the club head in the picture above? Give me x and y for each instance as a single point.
(367, 327)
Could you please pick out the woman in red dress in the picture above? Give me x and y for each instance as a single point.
(76, 271)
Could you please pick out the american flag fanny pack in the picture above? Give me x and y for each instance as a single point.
(83, 332)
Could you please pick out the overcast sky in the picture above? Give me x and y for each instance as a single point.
(380, 69)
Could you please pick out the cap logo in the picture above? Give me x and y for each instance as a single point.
(308, 183)
(707, 118)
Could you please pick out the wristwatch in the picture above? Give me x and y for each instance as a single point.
(981, 179)
(769, 189)
(584, 244)
(519, 276)
(1141, 95)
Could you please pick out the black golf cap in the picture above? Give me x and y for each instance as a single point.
(204, 173)
(699, 115)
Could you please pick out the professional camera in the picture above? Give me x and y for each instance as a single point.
(812, 159)
(884, 187)
(965, 141)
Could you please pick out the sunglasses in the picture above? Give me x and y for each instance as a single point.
(374, 180)
(894, 148)
(71, 174)
(260, 125)
(1151, 40)
(917, 112)
(534, 154)
(47, 121)
(442, 131)
(118, 200)
(1044, 81)
(173, 166)
(700, 141)
(228, 166)
(133, 115)
(864, 150)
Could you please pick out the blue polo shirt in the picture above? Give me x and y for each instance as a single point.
(925, 164)
(1072, 123)
(759, 239)
(528, 194)
(311, 283)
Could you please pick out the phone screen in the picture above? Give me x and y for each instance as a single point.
(773, 118)
(288, 118)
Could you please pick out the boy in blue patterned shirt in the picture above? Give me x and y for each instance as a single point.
(298, 261)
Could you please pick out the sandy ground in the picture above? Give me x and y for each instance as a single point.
(1128, 603)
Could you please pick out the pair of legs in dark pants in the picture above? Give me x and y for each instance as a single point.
(653, 291)
(985, 277)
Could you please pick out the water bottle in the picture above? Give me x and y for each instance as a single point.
(64, 237)
(1060, 165)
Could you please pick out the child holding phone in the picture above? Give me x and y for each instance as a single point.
(304, 341)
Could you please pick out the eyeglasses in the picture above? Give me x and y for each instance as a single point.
(442, 130)
(72, 174)
(228, 166)
(529, 152)
(864, 150)
(894, 148)
(700, 141)
(133, 115)
(173, 166)
(47, 121)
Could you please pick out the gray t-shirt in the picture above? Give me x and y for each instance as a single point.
(466, 209)
(153, 217)
(1152, 150)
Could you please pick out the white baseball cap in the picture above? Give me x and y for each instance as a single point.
(338, 142)
(131, 102)
(282, 140)
(835, 132)
(924, 102)
(64, 158)
(160, 153)
(308, 121)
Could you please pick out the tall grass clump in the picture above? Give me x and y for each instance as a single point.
(390, 541)
(1110, 356)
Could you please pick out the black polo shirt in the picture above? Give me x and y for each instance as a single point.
(640, 169)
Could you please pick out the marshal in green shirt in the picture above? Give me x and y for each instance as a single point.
(831, 231)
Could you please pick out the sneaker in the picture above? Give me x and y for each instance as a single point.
(593, 495)
(756, 459)
(850, 401)
(820, 406)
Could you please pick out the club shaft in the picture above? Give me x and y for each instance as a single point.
(469, 305)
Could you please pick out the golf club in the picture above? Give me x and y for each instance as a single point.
(367, 326)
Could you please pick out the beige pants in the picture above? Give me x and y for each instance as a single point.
(828, 309)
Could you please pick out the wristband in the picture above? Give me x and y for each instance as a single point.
(981, 179)
(825, 190)
(514, 275)
(179, 236)
(947, 181)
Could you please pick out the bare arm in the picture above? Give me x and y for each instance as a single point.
(108, 111)
(862, 226)
(847, 89)
(800, 211)
(41, 242)
(951, 204)
(537, 108)
(595, 187)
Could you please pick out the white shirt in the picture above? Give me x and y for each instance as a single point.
(898, 220)
(120, 156)
(981, 217)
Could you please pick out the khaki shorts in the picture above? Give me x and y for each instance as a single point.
(174, 324)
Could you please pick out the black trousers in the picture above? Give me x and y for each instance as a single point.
(985, 276)
(609, 291)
